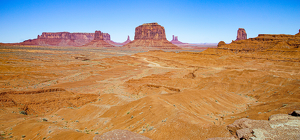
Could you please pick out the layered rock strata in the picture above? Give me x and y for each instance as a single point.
(279, 126)
(99, 40)
(60, 39)
(241, 34)
(264, 42)
(150, 36)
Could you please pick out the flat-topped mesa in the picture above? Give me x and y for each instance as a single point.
(99, 40)
(60, 39)
(241, 34)
(150, 36)
(66, 35)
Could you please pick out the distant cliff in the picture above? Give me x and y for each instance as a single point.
(99, 40)
(60, 39)
(176, 42)
(69, 39)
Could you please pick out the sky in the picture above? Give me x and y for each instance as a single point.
(193, 21)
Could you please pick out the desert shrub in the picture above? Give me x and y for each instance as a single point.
(23, 112)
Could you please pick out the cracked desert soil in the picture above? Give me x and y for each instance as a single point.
(76, 93)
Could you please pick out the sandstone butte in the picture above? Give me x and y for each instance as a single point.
(99, 40)
(241, 34)
(175, 41)
(150, 36)
(221, 92)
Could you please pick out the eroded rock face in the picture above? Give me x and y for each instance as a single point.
(106, 36)
(60, 39)
(151, 35)
(279, 126)
(264, 42)
(241, 34)
(120, 135)
(116, 43)
(98, 35)
(150, 31)
(175, 41)
(99, 40)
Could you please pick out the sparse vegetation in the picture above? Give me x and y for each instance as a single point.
(23, 112)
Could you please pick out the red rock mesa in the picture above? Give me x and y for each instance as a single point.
(60, 39)
(99, 40)
(151, 35)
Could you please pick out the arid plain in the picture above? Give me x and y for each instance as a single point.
(50, 92)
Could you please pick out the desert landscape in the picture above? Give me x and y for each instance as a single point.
(86, 86)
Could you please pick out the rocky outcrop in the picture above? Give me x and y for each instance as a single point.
(99, 40)
(264, 42)
(279, 126)
(116, 43)
(106, 36)
(221, 43)
(241, 34)
(150, 36)
(60, 39)
(176, 42)
(120, 135)
(127, 41)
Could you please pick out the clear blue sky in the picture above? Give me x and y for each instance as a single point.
(193, 21)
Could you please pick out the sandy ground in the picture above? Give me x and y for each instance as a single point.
(76, 93)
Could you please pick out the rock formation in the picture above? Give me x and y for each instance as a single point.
(60, 39)
(116, 43)
(241, 34)
(99, 40)
(221, 43)
(150, 36)
(264, 42)
(176, 42)
(279, 126)
(106, 36)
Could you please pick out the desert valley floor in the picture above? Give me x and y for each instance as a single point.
(78, 92)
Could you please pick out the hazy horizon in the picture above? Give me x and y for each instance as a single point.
(192, 21)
